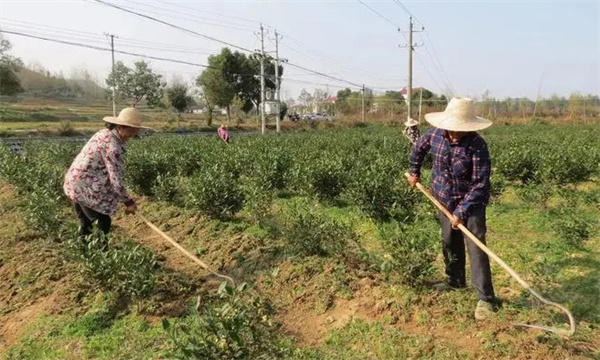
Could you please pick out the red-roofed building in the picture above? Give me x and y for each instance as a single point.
(331, 99)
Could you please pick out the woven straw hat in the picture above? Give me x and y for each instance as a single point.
(458, 116)
(127, 117)
(411, 122)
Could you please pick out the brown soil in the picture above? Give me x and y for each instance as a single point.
(23, 301)
(32, 281)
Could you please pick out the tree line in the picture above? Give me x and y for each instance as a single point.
(231, 81)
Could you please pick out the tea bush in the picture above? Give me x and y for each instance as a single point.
(412, 251)
(126, 269)
(310, 231)
(215, 193)
(237, 325)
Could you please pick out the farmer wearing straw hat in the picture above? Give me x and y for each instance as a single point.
(95, 180)
(412, 131)
(461, 182)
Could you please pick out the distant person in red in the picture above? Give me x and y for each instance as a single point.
(223, 134)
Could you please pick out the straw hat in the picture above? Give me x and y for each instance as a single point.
(411, 122)
(127, 117)
(458, 116)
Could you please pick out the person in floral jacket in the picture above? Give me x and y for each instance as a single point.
(95, 180)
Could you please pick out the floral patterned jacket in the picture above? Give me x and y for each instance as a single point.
(96, 177)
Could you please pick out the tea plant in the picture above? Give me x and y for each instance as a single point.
(237, 325)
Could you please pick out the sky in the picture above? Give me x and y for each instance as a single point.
(505, 48)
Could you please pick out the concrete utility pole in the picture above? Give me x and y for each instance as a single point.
(112, 48)
(277, 82)
(411, 48)
(363, 103)
(262, 80)
(420, 104)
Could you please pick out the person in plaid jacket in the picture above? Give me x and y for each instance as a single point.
(461, 182)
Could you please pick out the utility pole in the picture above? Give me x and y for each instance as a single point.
(262, 80)
(277, 82)
(420, 104)
(411, 48)
(410, 53)
(363, 103)
(112, 48)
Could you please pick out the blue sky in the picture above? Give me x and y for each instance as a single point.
(510, 48)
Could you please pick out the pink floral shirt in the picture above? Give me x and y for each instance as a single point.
(223, 134)
(96, 177)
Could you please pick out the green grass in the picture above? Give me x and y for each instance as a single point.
(415, 323)
(90, 337)
(388, 319)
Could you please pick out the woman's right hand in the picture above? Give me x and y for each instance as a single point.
(131, 209)
(412, 180)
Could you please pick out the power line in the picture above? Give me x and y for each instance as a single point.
(214, 39)
(185, 16)
(298, 81)
(89, 36)
(254, 22)
(408, 12)
(323, 75)
(443, 73)
(105, 49)
(96, 42)
(378, 14)
(172, 25)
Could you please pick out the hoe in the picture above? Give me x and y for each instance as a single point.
(508, 269)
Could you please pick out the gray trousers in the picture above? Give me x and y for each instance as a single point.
(455, 259)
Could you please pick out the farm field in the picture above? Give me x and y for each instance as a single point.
(51, 117)
(35, 117)
(332, 253)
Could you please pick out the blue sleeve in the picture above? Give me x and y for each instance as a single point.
(418, 153)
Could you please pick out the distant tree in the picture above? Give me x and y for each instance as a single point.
(283, 109)
(87, 83)
(207, 103)
(178, 98)
(350, 102)
(219, 80)
(9, 68)
(177, 95)
(137, 84)
(249, 91)
(391, 102)
(305, 98)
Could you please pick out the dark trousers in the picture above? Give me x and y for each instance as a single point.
(455, 259)
(87, 217)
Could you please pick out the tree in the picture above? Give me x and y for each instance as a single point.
(249, 92)
(219, 80)
(9, 67)
(305, 98)
(177, 95)
(350, 102)
(232, 75)
(207, 103)
(135, 85)
(283, 109)
(87, 82)
(391, 101)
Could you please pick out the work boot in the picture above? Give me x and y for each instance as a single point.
(484, 310)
